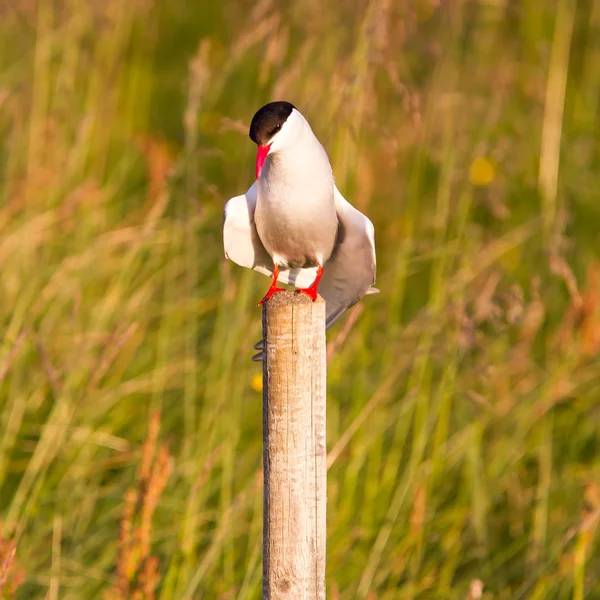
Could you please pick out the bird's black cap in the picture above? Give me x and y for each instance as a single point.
(268, 120)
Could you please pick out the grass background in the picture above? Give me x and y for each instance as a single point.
(463, 404)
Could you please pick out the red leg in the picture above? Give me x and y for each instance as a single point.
(273, 289)
(312, 290)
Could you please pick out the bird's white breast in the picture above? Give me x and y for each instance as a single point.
(295, 210)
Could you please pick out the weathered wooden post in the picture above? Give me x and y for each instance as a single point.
(294, 451)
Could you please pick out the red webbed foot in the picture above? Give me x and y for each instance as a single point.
(312, 291)
(273, 289)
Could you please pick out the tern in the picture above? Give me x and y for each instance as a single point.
(293, 224)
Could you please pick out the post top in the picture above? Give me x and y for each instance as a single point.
(290, 298)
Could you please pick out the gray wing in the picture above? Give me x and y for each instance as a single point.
(349, 274)
(243, 246)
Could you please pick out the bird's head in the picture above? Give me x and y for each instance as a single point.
(274, 127)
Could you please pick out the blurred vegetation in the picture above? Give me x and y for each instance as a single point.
(463, 403)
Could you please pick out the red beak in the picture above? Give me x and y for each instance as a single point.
(261, 156)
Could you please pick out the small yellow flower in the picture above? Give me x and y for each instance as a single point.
(482, 172)
(256, 382)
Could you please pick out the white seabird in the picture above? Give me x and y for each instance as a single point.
(293, 224)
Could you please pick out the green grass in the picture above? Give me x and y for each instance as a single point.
(463, 404)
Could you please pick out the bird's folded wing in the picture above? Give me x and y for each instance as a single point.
(240, 238)
(243, 246)
(350, 272)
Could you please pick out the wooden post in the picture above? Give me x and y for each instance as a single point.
(294, 451)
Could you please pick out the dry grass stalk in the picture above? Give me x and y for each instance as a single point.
(137, 571)
(11, 576)
(580, 327)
